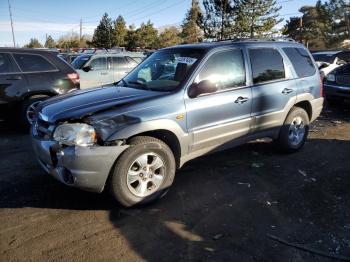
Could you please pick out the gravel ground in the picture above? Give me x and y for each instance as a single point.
(221, 207)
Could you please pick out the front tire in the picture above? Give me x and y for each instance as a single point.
(28, 109)
(143, 173)
(294, 131)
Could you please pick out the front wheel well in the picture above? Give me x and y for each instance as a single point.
(306, 106)
(168, 138)
(36, 95)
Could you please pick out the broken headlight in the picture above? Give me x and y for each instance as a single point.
(75, 134)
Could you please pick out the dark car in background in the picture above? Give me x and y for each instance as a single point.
(337, 84)
(29, 76)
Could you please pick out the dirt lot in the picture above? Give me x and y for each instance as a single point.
(222, 207)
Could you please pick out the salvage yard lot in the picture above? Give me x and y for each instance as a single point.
(222, 207)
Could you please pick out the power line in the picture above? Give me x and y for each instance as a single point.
(13, 33)
(158, 11)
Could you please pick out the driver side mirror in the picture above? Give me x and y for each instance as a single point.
(87, 68)
(203, 87)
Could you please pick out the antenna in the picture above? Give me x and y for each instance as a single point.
(13, 33)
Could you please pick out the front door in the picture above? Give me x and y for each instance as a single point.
(217, 118)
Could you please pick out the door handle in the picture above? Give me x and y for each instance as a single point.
(287, 91)
(14, 78)
(104, 74)
(241, 100)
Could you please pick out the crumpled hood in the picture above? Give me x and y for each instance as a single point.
(79, 104)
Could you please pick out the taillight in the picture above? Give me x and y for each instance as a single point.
(74, 77)
(321, 86)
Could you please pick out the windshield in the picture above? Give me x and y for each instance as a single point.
(329, 58)
(164, 70)
(80, 61)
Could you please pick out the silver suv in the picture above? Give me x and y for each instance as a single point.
(178, 104)
(104, 68)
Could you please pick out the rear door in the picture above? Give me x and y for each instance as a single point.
(12, 82)
(273, 87)
(218, 118)
(38, 71)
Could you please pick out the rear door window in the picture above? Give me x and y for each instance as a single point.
(119, 61)
(225, 69)
(267, 65)
(7, 65)
(301, 61)
(33, 63)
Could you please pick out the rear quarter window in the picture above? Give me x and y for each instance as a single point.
(33, 63)
(301, 61)
(267, 65)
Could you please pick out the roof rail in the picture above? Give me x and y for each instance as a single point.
(273, 39)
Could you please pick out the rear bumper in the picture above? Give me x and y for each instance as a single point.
(317, 106)
(86, 168)
(336, 90)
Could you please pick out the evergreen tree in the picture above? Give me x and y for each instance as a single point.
(119, 32)
(131, 38)
(169, 37)
(33, 43)
(339, 15)
(147, 36)
(103, 34)
(50, 43)
(191, 33)
(256, 18)
(218, 20)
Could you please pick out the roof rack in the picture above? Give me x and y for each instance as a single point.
(276, 39)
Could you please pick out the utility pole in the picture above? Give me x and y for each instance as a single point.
(13, 33)
(81, 31)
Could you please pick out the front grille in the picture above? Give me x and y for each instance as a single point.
(343, 79)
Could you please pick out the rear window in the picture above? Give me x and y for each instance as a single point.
(301, 61)
(7, 65)
(267, 65)
(33, 63)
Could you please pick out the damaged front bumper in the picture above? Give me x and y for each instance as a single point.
(86, 168)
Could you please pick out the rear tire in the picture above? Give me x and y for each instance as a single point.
(294, 131)
(143, 173)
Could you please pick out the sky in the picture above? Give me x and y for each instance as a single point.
(36, 18)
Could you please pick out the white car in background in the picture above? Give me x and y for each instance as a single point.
(102, 69)
(327, 61)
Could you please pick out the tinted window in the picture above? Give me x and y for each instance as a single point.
(267, 65)
(226, 69)
(301, 61)
(7, 65)
(33, 63)
(99, 63)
